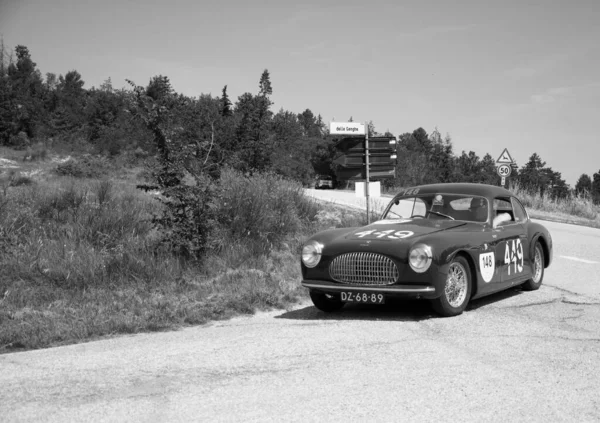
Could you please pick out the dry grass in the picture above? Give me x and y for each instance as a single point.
(79, 258)
(573, 209)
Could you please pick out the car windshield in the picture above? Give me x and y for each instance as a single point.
(438, 206)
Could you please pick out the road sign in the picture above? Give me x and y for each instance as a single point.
(505, 157)
(358, 173)
(503, 181)
(504, 170)
(351, 157)
(346, 128)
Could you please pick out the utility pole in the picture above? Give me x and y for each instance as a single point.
(367, 170)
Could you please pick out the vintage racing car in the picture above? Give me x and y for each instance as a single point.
(448, 243)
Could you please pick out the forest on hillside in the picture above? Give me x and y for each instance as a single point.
(203, 135)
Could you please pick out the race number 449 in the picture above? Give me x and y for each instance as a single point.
(514, 255)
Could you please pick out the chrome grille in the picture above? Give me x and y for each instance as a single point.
(363, 269)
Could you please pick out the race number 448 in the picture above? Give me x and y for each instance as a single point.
(514, 255)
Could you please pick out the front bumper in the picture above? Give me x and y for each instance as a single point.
(397, 290)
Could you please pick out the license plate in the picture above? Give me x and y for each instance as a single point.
(362, 297)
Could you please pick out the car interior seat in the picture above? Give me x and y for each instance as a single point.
(478, 209)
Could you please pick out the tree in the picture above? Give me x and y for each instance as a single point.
(468, 168)
(583, 186)
(531, 176)
(253, 117)
(596, 187)
(225, 103)
(488, 170)
(187, 188)
(264, 84)
(26, 94)
(159, 88)
(291, 151)
(440, 162)
(371, 129)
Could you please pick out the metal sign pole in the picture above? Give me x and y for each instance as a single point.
(367, 171)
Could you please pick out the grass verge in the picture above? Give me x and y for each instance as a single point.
(80, 260)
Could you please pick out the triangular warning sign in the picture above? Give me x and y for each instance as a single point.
(505, 157)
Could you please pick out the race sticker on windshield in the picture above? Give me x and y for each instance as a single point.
(391, 234)
(409, 191)
(487, 265)
(438, 200)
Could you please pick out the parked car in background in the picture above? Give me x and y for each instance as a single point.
(448, 243)
(324, 181)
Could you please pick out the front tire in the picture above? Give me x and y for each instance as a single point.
(457, 289)
(537, 270)
(326, 302)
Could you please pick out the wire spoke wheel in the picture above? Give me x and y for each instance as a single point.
(456, 285)
(457, 289)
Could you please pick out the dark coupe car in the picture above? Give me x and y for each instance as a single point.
(448, 243)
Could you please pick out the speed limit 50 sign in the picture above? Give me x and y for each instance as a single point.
(504, 170)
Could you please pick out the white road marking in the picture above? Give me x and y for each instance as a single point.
(579, 259)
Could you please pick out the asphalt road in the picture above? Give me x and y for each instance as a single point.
(515, 356)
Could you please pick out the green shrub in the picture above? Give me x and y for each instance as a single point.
(86, 166)
(38, 152)
(261, 210)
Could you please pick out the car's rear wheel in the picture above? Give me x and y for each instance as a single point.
(457, 289)
(326, 302)
(537, 270)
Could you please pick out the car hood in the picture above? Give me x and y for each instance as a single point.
(397, 229)
(385, 236)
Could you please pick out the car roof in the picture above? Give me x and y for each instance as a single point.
(483, 190)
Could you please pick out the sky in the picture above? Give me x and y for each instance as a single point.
(516, 74)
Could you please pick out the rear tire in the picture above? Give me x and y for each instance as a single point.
(326, 302)
(537, 270)
(457, 289)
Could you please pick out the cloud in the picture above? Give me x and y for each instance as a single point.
(537, 66)
(433, 31)
(551, 95)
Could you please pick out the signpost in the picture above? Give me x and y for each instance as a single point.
(362, 157)
(504, 169)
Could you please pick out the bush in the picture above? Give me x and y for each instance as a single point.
(85, 167)
(260, 210)
(38, 152)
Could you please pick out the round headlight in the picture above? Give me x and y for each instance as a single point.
(311, 253)
(420, 258)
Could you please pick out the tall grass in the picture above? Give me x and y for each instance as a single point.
(573, 206)
(80, 259)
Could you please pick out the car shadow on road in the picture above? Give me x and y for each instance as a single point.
(494, 298)
(394, 310)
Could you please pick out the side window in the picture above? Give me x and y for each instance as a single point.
(503, 212)
(519, 210)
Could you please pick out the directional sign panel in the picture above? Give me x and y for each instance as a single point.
(358, 173)
(505, 158)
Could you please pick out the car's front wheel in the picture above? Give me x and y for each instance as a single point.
(537, 270)
(326, 302)
(457, 289)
